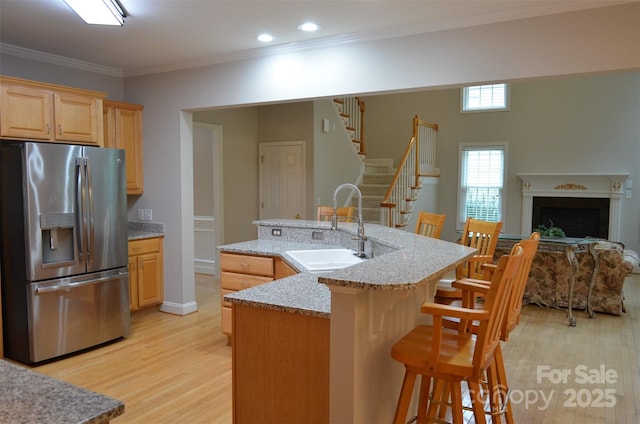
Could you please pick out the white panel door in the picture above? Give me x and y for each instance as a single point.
(282, 180)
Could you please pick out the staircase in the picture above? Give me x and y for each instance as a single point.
(351, 110)
(388, 194)
(375, 183)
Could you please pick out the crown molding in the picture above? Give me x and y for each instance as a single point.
(59, 60)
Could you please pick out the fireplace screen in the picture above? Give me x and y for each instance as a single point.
(576, 216)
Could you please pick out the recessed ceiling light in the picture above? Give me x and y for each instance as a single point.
(308, 27)
(265, 38)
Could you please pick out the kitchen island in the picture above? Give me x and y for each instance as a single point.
(27, 396)
(315, 347)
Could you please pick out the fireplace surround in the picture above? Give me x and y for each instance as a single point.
(607, 187)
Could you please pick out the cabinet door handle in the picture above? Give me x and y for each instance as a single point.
(48, 129)
(59, 129)
(245, 265)
(245, 284)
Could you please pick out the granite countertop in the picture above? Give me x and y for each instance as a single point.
(27, 396)
(401, 261)
(142, 230)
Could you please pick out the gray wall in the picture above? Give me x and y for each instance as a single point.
(92, 78)
(335, 160)
(582, 124)
(240, 169)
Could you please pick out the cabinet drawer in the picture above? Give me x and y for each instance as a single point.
(136, 247)
(234, 282)
(255, 265)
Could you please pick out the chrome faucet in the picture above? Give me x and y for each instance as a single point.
(334, 219)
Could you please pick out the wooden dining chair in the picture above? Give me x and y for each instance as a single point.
(481, 235)
(430, 224)
(454, 356)
(345, 214)
(496, 377)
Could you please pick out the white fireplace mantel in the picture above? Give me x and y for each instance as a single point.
(601, 185)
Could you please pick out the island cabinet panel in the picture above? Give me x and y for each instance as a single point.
(288, 381)
(39, 111)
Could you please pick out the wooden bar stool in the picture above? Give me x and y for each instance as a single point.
(482, 235)
(454, 356)
(496, 378)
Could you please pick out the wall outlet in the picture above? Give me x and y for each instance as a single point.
(276, 232)
(145, 214)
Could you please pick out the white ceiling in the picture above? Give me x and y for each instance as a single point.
(161, 35)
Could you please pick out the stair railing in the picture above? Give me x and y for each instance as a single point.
(419, 160)
(353, 109)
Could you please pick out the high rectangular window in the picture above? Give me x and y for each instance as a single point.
(485, 97)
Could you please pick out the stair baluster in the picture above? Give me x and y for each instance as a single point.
(418, 161)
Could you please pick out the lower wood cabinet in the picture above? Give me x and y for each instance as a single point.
(280, 366)
(146, 272)
(239, 272)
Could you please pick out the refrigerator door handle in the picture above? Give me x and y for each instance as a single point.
(80, 207)
(77, 284)
(90, 228)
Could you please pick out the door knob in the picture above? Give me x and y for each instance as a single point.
(298, 216)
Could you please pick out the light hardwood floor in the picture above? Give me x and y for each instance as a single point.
(178, 369)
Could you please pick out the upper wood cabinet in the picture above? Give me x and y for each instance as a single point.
(123, 130)
(40, 111)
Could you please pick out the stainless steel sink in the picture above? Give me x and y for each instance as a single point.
(325, 259)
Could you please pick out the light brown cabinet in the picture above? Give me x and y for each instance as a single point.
(39, 111)
(239, 272)
(146, 272)
(123, 130)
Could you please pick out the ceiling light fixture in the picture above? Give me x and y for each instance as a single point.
(98, 12)
(308, 27)
(265, 38)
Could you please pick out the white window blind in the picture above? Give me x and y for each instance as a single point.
(481, 183)
(485, 97)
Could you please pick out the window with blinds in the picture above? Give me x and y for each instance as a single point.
(485, 97)
(482, 180)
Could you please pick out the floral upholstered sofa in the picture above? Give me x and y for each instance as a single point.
(548, 283)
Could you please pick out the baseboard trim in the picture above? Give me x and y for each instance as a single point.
(203, 266)
(179, 308)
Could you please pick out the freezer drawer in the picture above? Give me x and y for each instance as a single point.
(71, 314)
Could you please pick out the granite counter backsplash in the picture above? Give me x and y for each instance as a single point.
(145, 229)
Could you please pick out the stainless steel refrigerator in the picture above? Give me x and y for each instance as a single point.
(65, 281)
